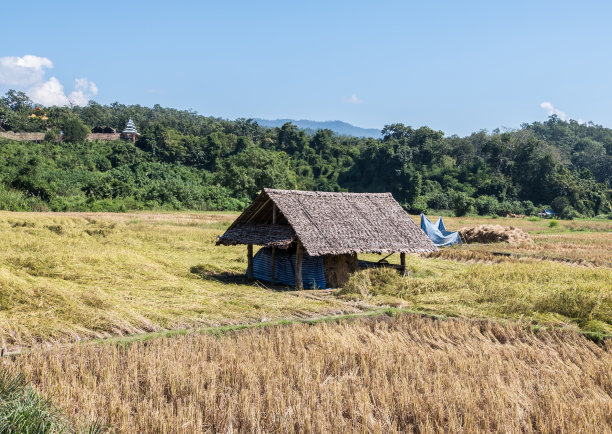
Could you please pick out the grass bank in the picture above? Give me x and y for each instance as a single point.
(23, 410)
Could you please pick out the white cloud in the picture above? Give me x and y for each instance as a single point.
(48, 93)
(23, 71)
(551, 110)
(28, 72)
(83, 91)
(354, 99)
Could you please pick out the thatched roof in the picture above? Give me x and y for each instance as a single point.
(328, 223)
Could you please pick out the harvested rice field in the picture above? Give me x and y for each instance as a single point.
(139, 323)
(79, 276)
(73, 277)
(405, 374)
(549, 282)
(587, 242)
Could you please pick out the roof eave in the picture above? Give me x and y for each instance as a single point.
(364, 251)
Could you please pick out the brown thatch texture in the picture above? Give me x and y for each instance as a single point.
(260, 234)
(338, 223)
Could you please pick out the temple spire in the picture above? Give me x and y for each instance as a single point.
(130, 127)
(130, 132)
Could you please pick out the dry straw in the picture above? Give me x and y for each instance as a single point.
(398, 375)
(494, 234)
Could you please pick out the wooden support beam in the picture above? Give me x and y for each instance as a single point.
(403, 264)
(250, 261)
(254, 214)
(298, 267)
(273, 263)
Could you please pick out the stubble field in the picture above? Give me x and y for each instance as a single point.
(405, 374)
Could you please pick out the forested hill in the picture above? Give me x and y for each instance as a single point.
(183, 160)
(338, 127)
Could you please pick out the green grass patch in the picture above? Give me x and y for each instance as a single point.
(542, 291)
(22, 410)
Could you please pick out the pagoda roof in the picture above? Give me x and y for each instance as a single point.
(130, 127)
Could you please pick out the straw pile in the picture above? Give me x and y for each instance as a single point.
(494, 234)
(338, 269)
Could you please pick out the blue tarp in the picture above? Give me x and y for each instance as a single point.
(313, 272)
(438, 233)
(547, 213)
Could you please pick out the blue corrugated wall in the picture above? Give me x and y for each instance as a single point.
(313, 271)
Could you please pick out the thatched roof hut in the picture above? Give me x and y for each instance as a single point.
(103, 130)
(327, 224)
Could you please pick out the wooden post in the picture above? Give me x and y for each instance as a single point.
(298, 267)
(250, 261)
(403, 263)
(273, 263)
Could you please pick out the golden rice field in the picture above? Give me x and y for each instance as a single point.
(69, 277)
(87, 298)
(77, 276)
(405, 374)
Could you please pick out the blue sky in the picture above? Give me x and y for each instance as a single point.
(455, 66)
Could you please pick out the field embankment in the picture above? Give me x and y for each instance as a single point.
(403, 374)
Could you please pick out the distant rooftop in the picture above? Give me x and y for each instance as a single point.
(130, 128)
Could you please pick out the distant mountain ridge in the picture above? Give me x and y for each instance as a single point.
(338, 127)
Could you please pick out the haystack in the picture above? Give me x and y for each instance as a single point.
(494, 234)
(338, 269)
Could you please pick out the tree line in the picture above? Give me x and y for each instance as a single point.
(183, 160)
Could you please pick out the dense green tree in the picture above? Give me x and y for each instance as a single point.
(17, 101)
(462, 204)
(184, 160)
(291, 139)
(74, 129)
(246, 173)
